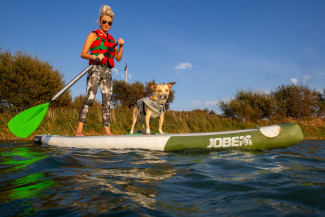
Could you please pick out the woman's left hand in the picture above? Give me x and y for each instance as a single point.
(120, 41)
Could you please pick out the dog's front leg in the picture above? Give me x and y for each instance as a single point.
(161, 121)
(147, 121)
(135, 114)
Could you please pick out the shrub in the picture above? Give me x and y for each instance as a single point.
(26, 81)
(248, 106)
(296, 101)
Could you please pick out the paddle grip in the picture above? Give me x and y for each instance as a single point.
(73, 81)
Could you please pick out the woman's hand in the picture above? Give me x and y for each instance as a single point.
(101, 57)
(120, 41)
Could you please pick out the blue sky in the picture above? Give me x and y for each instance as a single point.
(211, 48)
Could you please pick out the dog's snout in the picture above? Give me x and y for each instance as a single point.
(165, 96)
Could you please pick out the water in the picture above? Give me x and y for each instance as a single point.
(49, 181)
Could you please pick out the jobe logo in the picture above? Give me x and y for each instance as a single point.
(230, 141)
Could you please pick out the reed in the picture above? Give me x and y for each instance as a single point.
(63, 121)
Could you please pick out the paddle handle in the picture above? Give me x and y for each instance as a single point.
(73, 81)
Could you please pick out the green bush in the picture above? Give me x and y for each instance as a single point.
(291, 101)
(248, 106)
(296, 101)
(26, 81)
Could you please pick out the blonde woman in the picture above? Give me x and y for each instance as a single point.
(99, 42)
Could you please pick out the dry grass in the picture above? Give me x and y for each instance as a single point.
(63, 121)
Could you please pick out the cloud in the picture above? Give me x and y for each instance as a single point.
(294, 80)
(205, 105)
(321, 74)
(196, 104)
(210, 104)
(183, 66)
(121, 75)
(115, 71)
(306, 78)
(129, 76)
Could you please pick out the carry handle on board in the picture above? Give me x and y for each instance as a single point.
(26, 122)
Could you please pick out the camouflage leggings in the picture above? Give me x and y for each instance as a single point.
(98, 75)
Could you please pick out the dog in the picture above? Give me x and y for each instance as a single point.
(151, 107)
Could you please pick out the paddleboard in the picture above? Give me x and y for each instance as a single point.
(263, 138)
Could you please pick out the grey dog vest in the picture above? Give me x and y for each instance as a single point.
(153, 105)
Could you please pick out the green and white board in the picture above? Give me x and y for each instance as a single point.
(270, 137)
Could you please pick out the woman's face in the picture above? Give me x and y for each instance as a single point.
(106, 23)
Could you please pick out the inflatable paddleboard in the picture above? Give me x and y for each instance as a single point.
(263, 138)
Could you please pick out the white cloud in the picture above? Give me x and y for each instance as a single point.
(210, 104)
(183, 66)
(294, 80)
(204, 105)
(196, 104)
(123, 76)
(321, 74)
(115, 71)
(306, 78)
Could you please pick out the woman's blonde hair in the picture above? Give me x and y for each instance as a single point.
(106, 10)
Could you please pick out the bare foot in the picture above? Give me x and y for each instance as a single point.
(79, 134)
(79, 129)
(108, 131)
(108, 134)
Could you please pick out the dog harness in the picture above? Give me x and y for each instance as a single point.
(101, 45)
(153, 105)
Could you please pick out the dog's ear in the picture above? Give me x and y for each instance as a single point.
(170, 84)
(153, 86)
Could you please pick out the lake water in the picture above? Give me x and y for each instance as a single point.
(48, 181)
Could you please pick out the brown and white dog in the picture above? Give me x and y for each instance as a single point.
(151, 107)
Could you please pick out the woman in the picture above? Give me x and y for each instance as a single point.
(98, 42)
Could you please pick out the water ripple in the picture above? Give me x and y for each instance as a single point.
(49, 181)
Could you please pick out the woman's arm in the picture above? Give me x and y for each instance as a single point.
(89, 41)
(119, 52)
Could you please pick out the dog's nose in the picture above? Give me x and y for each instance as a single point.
(165, 96)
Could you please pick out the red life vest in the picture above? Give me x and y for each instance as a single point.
(102, 45)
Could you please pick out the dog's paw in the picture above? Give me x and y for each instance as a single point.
(148, 132)
(161, 132)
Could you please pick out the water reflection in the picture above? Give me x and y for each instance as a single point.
(21, 184)
(18, 158)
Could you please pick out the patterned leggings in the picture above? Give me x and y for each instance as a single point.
(98, 75)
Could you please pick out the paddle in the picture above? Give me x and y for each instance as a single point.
(26, 122)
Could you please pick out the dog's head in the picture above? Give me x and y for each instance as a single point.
(161, 91)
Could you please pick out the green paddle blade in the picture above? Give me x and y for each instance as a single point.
(26, 122)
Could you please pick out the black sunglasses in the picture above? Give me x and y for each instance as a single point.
(108, 22)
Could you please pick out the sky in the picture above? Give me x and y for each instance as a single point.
(210, 48)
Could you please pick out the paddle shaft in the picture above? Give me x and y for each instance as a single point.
(73, 81)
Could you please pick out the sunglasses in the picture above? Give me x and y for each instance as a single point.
(108, 22)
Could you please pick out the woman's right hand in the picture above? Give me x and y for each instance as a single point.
(101, 57)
